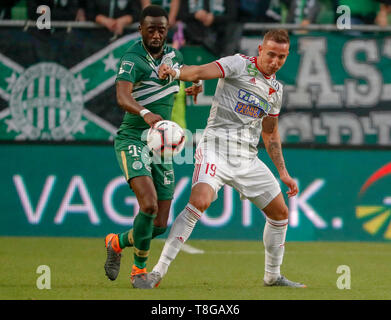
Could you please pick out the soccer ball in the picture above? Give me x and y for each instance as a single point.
(166, 138)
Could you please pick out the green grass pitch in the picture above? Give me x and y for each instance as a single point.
(230, 270)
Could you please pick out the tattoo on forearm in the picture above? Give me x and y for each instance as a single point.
(273, 142)
(275, 152)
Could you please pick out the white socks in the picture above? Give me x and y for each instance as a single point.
(179, 233)
(274, 240)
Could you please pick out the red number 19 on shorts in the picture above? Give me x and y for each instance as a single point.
(211, 169)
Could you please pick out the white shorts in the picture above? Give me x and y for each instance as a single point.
(250, 177)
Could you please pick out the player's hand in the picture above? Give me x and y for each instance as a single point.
(152, 118)
(193, 91)
(165, 71)
(291, 184)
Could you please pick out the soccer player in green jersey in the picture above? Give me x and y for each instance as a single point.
(146, 100)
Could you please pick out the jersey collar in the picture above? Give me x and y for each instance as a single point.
(254, 60)
(149, 57)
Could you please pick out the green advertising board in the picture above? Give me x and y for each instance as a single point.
(64, 190)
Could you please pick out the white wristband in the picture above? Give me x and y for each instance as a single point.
(144, 112)
(198, 84)
(177, 74)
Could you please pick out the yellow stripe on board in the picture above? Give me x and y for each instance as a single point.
(374, 225)
(124, 164)
(364, 211)
(387, 235)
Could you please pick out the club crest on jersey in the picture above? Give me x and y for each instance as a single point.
(252, 70)
(253, 100)
(167, 59)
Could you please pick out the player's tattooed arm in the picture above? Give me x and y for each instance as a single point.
(272, 141)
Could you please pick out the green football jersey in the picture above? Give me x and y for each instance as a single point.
(140, 68)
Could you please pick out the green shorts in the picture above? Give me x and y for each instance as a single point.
(137, 160)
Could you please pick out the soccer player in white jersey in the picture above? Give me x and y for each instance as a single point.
(246, 105)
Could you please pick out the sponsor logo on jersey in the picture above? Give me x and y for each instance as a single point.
(254, 100)
(275, 84)
(249, 110)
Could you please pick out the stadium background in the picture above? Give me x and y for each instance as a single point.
(59, 175)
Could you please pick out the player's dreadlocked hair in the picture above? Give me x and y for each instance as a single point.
(277, 35)
(153, 11)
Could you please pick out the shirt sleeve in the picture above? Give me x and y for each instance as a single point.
(231, 66)
(180, 57)
(129, 69)
(277, 104)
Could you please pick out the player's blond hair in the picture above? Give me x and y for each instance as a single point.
(277, 35)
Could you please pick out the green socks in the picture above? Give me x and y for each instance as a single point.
(126, 238)
(140, 237)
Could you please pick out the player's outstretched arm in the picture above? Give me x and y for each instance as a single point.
(126, 101)
(272, 141)
(191, 73)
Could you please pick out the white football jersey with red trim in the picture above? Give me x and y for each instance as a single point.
(243, 97)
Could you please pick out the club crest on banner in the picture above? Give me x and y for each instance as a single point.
(47, 101)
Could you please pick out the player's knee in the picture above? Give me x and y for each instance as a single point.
(200, 203)
(282, 213)
(149, 207)
(148, 204)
